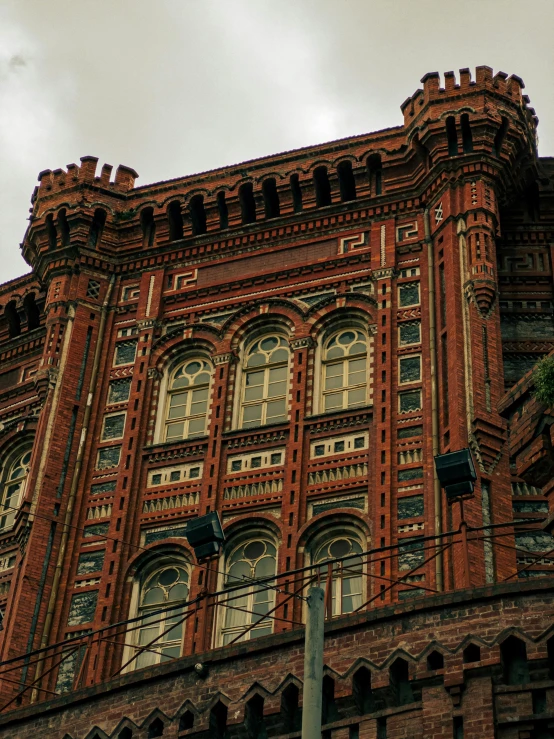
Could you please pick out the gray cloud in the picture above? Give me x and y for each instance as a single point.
(180, 86)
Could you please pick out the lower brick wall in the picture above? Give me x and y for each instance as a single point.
(252, 681)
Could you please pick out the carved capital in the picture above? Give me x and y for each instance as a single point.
(154, 373)
(386, 273)
(146, 323)
(45, 380)
(224, 358)
(305, 343)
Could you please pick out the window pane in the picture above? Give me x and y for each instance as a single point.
(276, 388)
(331, 383)
(356, 397)
(252, 413)
(356, 378)
(265, 567)
(196, 426)
(201, 394)
(178, 400)
(254, 393)
(277, 373)
(334, 370)
(199, 408)
(333, 401)
(146, 635)
(356, 365)
(281, 355)
(275, 408)
(410, 369)
(175, 431)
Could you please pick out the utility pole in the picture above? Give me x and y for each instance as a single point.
(313, 665)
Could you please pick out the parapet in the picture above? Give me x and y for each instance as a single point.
(500, 84)
(59, 179)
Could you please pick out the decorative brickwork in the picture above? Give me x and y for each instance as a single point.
(289, 342)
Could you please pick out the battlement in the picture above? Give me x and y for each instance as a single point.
(500, 83)
(59, 179)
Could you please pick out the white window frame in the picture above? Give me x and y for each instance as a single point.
(7, 519)
(166, 394)
(243, 371)
(334, 533)
(221, 630)
(323, 363)
(141, 578)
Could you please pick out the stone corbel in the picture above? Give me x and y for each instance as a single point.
(304, 343)
(226, 357)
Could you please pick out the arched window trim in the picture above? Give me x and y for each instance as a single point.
(199, 353)
(252, 337)
(159, 561)
(9, 480)
(335, 325)
(235, 543)
(315, 545)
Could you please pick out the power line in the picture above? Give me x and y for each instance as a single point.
(242, 579)
(262, 582)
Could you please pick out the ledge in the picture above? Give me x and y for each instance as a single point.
(399, 611)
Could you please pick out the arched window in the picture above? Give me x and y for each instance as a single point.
(187, 400)
(13, 487)
(347, 574)
(251, 559)
(164, 587)
(344, 381)
(265, 380)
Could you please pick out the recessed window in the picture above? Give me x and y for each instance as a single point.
(194, 472)
(359, 442)
(236, 465)
(409, 333)
(187, 402)
(119, 391)
(339, 447)
(319, 450)
(276, 458)
(255, 558)
(265, 382)
(13, 487)
(408, 294)
(175, 476)
(345, 371)
(93, 289)
(108, 457)
(410, 401)
(347, 574)
(166, 587)
(256, 462)
(125, 352)
(410, 369)
(113, 426)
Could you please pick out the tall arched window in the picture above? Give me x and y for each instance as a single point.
(347, 575)
(265, 381)
(13, 487)
(344, 382)
(187, 399)
(164, 587)
(253, 558)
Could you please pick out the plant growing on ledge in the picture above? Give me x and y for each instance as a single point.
(544, 381)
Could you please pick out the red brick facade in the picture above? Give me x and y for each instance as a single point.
(426, 250)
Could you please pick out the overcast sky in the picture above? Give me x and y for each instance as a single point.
(172, 87)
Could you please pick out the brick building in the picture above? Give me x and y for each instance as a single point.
(289, 342)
